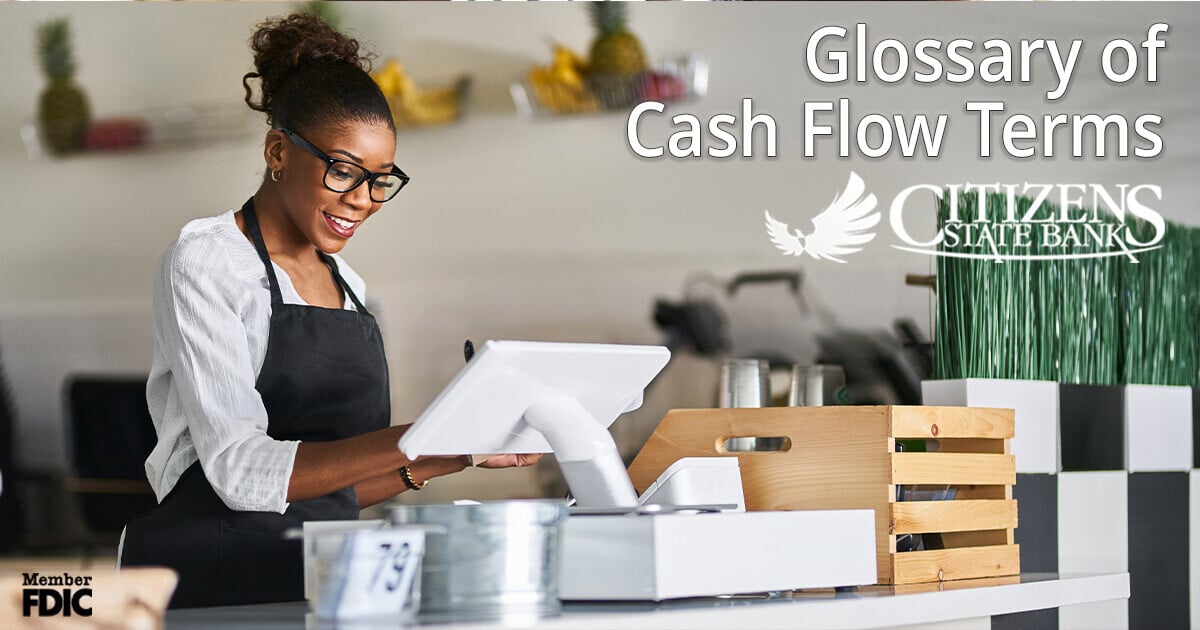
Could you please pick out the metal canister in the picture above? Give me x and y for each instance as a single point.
(496, 560)
(817, 385)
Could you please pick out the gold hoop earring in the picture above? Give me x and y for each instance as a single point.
(276, 174)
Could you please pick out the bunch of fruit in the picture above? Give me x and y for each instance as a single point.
(414, 106)
(615, 76)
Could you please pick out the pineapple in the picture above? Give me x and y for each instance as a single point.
(62, 108)
(615, 50)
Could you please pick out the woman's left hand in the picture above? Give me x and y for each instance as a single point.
(509, 461)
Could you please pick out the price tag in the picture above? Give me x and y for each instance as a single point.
(374, 575)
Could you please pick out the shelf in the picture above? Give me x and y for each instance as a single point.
(167, 127)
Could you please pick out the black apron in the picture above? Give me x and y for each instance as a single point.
(324, 378)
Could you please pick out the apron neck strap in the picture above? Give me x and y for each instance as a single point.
(260, 247)
(345, 286)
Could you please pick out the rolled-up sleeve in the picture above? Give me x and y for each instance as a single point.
(204, 342)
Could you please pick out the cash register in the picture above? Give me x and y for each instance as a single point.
(686, 536)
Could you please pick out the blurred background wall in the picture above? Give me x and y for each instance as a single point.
(545, 229)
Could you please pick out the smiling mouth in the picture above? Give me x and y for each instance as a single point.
(343, 227)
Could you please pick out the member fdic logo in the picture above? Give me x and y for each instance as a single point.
(63, 595)
(997, 222)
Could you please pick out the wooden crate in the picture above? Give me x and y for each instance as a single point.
(844, 457)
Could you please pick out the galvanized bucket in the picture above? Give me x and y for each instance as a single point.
(495, 560)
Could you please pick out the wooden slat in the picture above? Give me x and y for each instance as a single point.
(933, 587)
(953, 468)
(969, 445)
(838, 458)
(990, 538)
(956, 564)
(982, 492)
(951, 422)
(919, 517)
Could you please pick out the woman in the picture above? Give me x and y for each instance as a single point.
(269, 389)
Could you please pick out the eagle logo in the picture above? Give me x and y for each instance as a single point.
(838, 230)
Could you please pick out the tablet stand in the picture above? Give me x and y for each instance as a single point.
(585, 452)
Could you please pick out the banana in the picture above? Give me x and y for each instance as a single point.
(414, 105)
(564, 56)
(389, 77)
(559, 97)
(559, 87)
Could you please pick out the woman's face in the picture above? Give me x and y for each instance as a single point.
(326, 218)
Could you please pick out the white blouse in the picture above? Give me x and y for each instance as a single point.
(212, 313)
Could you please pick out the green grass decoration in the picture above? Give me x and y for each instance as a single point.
(1098, 321)
(1089, 325)
(1193, 314)
(1159, 304)
(990, 315)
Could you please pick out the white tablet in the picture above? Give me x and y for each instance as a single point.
(482, 409)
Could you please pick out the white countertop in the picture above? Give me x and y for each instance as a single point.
(867, 607)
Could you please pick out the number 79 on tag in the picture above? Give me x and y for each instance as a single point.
(375, 575)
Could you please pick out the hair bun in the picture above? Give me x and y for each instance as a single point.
(285, 45)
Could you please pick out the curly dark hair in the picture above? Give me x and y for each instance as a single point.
(312, 76)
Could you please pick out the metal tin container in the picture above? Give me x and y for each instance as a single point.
(495, 560)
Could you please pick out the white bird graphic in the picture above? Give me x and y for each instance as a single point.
(836, 231)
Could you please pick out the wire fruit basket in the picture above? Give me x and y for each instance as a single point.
(673, 81)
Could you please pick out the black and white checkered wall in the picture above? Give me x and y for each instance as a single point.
(1108, 481)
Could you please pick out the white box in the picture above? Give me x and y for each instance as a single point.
(667, 556)
(1034, 403)
(1158, 428)
(1093, 537)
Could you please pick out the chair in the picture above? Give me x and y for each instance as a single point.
(12, 521)
(110, 436)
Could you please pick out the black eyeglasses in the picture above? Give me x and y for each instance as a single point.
(342, 176)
